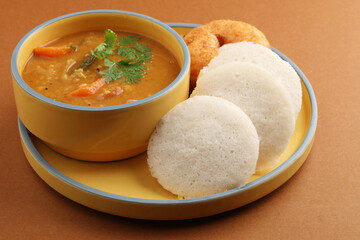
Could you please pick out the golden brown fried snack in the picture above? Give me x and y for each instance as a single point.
(203, 46)
(203, 42)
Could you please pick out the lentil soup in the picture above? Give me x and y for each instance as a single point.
(69, 73)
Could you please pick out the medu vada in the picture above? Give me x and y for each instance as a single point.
(203, 42)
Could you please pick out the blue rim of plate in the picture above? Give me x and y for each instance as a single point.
(298, 153)
(29, 90)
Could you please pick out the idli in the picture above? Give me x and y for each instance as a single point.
(262, 97)
(204, 145)
(264, 58)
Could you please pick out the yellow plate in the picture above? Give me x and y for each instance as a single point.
(126, 188)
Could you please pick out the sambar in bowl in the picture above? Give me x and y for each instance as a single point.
(93, 85)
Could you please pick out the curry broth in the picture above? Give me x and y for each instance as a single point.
(56, 77)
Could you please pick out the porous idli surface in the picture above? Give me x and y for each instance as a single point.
(262, 97)
(204, 145)
(265, 58)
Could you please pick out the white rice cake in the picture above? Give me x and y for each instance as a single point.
(261, 97)
(204, 145)
(266, 59)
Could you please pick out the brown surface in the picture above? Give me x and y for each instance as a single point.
(322, 200)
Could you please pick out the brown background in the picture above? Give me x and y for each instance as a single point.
(322, 200)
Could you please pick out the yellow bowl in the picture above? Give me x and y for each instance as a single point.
(97, 133)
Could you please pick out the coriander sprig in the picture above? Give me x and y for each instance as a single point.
(106, 48)
(134, 53)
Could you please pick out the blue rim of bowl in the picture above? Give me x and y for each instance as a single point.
(298, 153)
(16, 74)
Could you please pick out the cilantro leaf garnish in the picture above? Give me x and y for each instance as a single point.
(106, 48)
(126, 52)
(129, 40)
(133, 72)
(138, 51)
(135, 55)
(142, 48)
(113, 71)
(124, 68)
